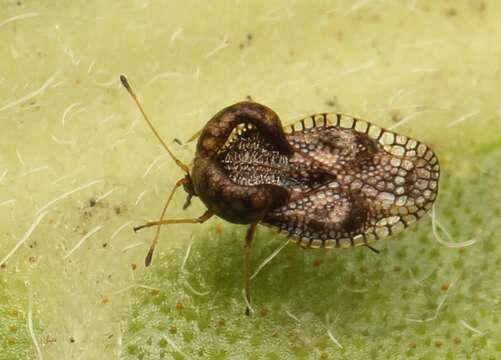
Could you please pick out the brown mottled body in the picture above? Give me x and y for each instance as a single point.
(330, 180)
(229, 200)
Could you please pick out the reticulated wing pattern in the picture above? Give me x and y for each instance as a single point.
(352, 182)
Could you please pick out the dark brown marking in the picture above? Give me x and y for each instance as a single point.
(357, 216)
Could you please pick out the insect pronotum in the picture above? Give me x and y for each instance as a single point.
(329, 180)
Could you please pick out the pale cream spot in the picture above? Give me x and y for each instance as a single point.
(386, 197)
(382, 231)
(344, 242)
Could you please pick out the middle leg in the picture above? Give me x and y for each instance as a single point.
(247, 271)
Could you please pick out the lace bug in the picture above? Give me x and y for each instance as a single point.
(328, 180)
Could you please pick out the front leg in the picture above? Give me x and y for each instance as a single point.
(201, 219)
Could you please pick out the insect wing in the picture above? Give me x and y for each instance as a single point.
(352, 182)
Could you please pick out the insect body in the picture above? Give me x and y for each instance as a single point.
(329, 180)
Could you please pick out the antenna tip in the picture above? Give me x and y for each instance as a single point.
(149, 257)
(125, 82)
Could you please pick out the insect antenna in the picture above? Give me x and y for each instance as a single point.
(127, 86)
(178, 162)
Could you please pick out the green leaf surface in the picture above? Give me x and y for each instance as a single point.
(79, 168)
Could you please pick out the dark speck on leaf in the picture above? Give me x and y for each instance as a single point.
(396, 116)
(451, 12)
(331, 102)
(247, 42)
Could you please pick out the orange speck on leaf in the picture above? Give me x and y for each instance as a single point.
(155, 291)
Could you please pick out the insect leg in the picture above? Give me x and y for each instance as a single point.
(194, 136)
(204, 217)
(158, 223)
(176, 186)
(157, 234)
(247, 248)
(187, 203)
(373, 249)
(198, 220)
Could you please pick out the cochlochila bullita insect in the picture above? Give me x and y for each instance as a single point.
(327, 181)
